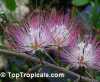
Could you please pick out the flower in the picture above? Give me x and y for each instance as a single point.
(27, 39)
(62, 29)
(29, 36)
(84, 54)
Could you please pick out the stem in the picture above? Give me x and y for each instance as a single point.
(89, 74)
(50, 57)
(37, 60)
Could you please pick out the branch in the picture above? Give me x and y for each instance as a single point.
(37, 60)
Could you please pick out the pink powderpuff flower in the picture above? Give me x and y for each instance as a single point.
(30, 36)
(62, 29)
(84, 54)
(43, 29)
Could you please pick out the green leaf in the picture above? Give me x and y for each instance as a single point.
(98, 78)
(97, 25)
(10, 4)
(80, 2)
(98, 37)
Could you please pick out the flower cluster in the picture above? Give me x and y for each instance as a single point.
(85, 53)
(42, 30)
(46, 29)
